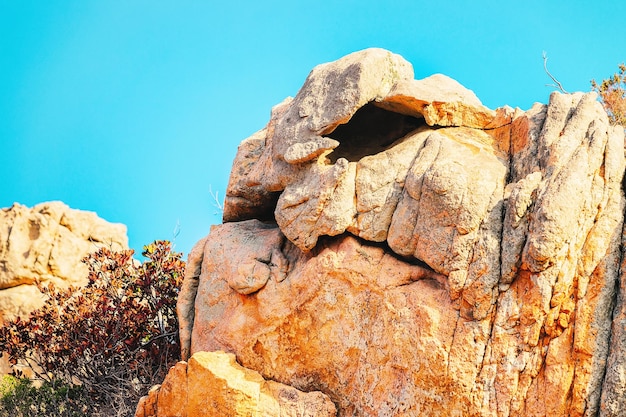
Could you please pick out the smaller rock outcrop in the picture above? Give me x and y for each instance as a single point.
(214, 384)
(46, 243)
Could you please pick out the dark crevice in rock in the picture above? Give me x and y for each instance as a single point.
(267, 224)
(385, 246)
(265, 211)
(505, 204)
(371, 130)
(325, 241)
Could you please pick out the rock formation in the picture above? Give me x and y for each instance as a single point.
(46, 244)
(213, 384)
(407, 251)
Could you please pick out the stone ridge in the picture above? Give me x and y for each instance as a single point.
(403, 249)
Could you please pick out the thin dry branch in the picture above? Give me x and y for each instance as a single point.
(216, 200)
(552, 77)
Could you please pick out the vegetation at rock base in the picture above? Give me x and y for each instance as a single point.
(612, 93)
(20, 398)
(96, 350)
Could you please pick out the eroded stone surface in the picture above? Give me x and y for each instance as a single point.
(213, 384)
(296, 156)
(460, 261)
(47, 243)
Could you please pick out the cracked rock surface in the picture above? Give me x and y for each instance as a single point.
(407, 251)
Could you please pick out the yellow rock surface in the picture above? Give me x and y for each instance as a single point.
(213, 384)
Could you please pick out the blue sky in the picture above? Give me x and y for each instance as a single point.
(134, 109)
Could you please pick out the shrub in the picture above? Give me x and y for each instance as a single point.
(20, 398)
(115, 337)
(612, 93)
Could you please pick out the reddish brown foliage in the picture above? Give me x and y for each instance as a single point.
(612, 93)
(118, 331)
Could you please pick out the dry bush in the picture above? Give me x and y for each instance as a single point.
(612, 92)
(114, 338)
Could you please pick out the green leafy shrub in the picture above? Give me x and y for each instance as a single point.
(612, 93)
(20, 398)
(114, 338)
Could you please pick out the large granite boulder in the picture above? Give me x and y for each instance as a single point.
(406, 251)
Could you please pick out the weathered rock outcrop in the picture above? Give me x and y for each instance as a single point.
(213, 384)
(46, 244)
(401, 248)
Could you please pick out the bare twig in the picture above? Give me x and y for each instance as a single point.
(216, 201)
(176, 230)
(552, 77)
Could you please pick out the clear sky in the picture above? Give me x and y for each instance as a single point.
(134, 109)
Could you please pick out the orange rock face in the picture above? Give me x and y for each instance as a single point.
(330, 325)
(212, 384)
(397, 246)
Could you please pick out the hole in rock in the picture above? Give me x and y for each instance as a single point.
(371, 130)
(265, 212)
